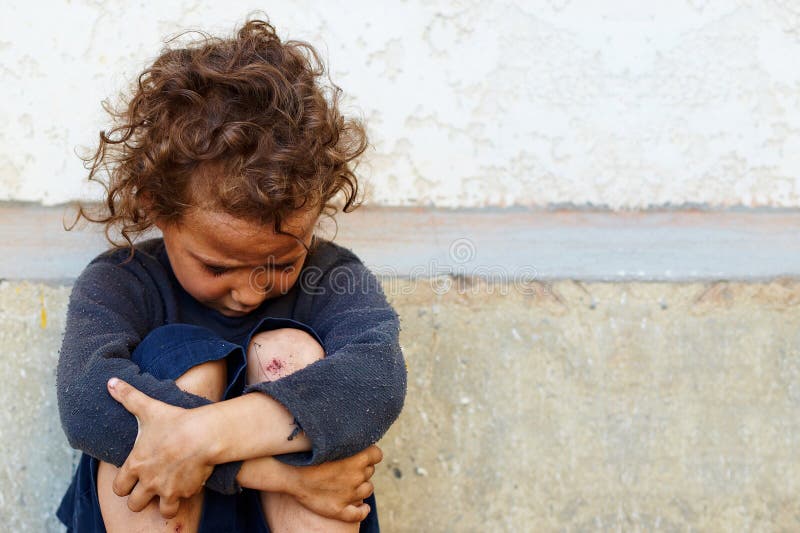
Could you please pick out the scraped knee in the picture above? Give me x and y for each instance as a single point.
(277, 353)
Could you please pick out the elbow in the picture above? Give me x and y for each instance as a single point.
(71, 416)
(396, 387)
(74, 432)
(78, 415)
(73, 437)
(87, 431)
(70, 401)
(400, 387)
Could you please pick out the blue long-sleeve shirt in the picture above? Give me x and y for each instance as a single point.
(344, 403)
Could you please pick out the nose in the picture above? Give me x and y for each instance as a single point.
(247, 295)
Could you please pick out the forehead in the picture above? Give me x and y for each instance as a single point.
(217, 235)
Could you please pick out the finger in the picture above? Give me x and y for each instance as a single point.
(375, 454)
(355, 512)
(124, 481)
(139, 498)
(369, 471)
(364, 490)
(168, 508)
(131, 398)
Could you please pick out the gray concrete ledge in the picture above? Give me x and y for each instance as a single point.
(667, 407)
(496, 244)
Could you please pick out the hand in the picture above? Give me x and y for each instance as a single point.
(168, 459)
(336, 489)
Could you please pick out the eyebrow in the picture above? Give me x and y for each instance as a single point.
(222, 264)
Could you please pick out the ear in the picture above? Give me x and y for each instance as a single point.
(146, 201)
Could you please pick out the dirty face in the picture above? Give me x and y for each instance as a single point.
(233, 265)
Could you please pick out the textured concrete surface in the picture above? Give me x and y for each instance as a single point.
(599, 407)
(507, 245)
(37, 463)
(548, 407)
(468, 103)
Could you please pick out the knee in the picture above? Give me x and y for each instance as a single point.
(163, 352)
(207, 380)
(279, 352)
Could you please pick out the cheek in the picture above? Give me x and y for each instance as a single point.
(274, 284)
(207, 290)
(269, 283)
(203, 286)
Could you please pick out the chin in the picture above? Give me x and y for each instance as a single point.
(234, 312)
(231, 313)
(225, 310)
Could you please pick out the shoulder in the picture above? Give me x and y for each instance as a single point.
(117, 269)
(335, 273)
(332, 263)
(144, 254)
(128, 286)
(145, 257)
(328, 254)
(341, 299)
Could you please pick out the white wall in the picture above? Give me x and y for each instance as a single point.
(608, 102)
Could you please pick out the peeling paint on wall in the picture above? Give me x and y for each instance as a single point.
(617, 103)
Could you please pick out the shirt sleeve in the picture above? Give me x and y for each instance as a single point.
(109, 312)
(347, 400)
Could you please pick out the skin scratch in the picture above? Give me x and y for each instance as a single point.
(274, 367)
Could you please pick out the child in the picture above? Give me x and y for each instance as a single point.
(170, 377)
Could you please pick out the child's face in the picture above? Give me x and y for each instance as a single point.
(233, 265)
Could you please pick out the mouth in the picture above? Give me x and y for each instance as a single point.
(235, 312)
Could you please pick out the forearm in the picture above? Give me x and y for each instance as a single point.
(334, 490)
(98, 425)
(344, 402)
(249, 426)
(263, 473)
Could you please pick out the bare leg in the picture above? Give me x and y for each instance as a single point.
(272, 355)
(285, 515)
(207, 380)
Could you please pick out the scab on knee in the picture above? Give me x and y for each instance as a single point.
(277, 353)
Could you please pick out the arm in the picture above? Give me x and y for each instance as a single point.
(344, 402)
(168, 461)
(229, 429)
(109, 313)
(334, 489)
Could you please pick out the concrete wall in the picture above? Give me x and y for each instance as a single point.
(612, 377)
(567, 407)
(599, 407)
(619, 103)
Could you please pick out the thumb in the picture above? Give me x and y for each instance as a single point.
(131, 398)
(355, 512)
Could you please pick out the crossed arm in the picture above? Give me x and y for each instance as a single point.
(177, 449)
(172, 453)
(361, 339)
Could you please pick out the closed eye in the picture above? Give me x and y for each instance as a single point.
(281, 266)
(220, 270)
(216, 270)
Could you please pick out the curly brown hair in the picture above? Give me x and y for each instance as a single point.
(243, 125)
